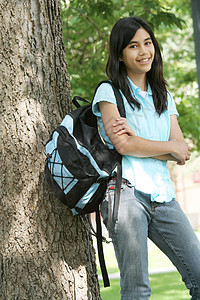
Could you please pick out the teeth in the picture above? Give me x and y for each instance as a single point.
(144, 60)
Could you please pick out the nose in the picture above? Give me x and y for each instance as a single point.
(142, 50)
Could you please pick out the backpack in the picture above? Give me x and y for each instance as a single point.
(79, 165)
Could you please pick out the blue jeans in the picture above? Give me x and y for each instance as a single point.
(167, 226)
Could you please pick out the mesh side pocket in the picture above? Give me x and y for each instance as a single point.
(60, 173)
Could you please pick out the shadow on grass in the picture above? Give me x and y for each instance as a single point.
(167, 286)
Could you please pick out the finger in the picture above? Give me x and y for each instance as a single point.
(119, 128)
(117, 124)
(130, 131)
(123, 131)
(120, 122)
(121, 118)
(180, 163)
(122, 128)
(182, 160)
(126, 131)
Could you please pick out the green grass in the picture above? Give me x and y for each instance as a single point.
(167, 286)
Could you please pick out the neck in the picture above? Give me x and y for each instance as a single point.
(139, 80)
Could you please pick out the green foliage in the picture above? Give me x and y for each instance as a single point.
(180, 72)
(86, 29)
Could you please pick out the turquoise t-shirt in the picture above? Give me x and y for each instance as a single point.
(146, 174)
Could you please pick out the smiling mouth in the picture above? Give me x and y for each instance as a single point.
(144, 60)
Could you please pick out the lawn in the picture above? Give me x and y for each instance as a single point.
(165, 286)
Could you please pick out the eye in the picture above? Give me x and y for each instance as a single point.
(148, 43)
(133, 46)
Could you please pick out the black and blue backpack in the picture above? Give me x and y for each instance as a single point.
(79, 165)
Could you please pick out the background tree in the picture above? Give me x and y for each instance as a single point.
(87, 25)
(43, 249)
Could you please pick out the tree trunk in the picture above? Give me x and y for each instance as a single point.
(44, 249)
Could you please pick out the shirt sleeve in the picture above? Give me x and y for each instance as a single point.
(172, 106)
(103, 93)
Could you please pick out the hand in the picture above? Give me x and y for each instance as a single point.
(181, 152)
(121, 127)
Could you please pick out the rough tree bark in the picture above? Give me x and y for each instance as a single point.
(43, 249)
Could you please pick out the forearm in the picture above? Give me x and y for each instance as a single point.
(140, 147)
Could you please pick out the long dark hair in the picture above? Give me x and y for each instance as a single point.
(122, 33)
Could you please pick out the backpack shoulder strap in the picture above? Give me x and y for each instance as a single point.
(118, 96)
(113, 218)
(78, 98)
(121, 108)
(100, 250)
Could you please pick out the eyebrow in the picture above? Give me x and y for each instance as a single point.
(135, 42)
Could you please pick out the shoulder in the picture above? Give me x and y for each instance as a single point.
(103, 93)
(171, 104)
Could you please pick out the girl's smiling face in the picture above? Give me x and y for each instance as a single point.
(138, 55)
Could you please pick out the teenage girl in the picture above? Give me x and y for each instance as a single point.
(146, 139)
